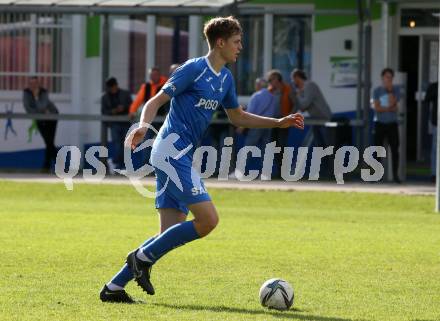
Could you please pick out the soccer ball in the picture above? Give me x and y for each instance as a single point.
(276, 294)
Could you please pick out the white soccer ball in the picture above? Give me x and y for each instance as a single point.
(276, 294)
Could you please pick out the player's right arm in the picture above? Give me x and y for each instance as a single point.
(149, 112)
(150, 109)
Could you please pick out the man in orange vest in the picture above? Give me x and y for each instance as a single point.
(282, 94)
(148, 90)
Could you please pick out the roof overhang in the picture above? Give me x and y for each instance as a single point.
(125, 7)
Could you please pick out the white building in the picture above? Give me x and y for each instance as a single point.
(73, 48)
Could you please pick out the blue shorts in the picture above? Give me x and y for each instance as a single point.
(188, 189)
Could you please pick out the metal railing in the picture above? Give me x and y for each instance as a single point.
(104, 119)
(107, 120)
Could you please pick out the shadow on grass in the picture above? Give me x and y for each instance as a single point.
(292, 314)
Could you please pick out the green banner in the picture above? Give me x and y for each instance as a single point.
(93, 37)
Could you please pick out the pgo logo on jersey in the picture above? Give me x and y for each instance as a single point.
(207, 103)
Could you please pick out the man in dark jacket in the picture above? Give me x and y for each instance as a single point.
(36, 101)
(308, 97)
(116, 102)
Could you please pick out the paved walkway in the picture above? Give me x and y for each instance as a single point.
(349, 187)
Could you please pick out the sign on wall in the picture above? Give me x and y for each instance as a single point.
(343, 72)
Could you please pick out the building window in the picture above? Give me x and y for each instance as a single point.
(249, 65)
(35, 45)
(128, 47)
(137, 52)
(291, 44)
(171, 42)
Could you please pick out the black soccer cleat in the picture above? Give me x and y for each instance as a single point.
(141, 272)
(118, 296)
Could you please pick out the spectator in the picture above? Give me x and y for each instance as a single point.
(308, 97)
(284, 106)
(36, 101)
(281, 91)
(116, 102)
(431, 99)
(386, 101)
(262, 103)
(148, 90)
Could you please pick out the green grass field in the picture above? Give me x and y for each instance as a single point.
(349, 256)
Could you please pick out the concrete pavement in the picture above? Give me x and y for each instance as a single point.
(330, 186)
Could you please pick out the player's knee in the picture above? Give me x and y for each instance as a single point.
(212, 222)
(206, 225)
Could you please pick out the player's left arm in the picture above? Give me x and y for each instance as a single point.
(240, 118)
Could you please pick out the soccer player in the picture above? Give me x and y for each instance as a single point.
(196, 89)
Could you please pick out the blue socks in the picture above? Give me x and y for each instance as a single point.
(177, 235)
(156, 247)
(125, 275)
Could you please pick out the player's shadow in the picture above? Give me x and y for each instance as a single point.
(292, 314)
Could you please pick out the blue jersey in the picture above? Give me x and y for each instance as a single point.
(196, 91)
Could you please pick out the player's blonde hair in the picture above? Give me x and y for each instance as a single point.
(221, 27)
